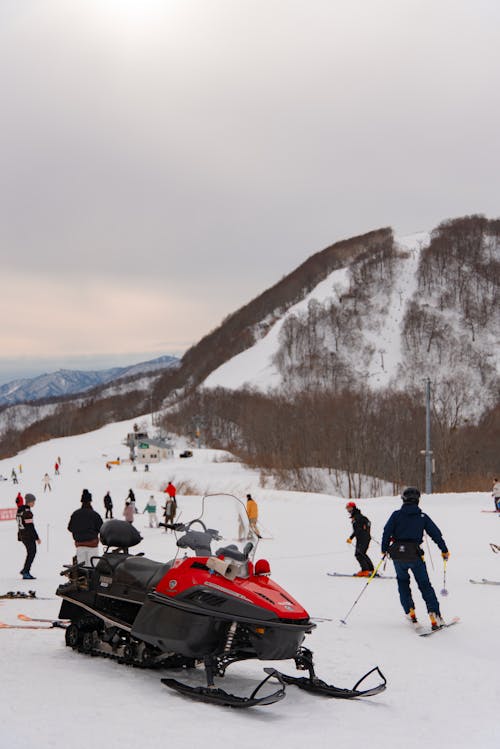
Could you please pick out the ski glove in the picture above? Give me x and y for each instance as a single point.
(349, 541)
(445, 555)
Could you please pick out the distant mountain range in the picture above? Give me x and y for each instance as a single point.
(71, 381)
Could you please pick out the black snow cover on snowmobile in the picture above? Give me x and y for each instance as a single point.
(119, 533)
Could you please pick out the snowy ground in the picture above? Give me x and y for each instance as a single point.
(442, 691)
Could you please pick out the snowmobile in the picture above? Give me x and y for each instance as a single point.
(211, 609)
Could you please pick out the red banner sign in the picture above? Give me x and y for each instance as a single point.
(8, 513)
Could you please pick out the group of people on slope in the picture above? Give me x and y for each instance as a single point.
(85, 523)
(401, 541)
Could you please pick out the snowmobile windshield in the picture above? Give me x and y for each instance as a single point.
(222, 524)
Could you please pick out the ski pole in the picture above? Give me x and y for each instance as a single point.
(429, 551)
(344, 620)
(444, 592)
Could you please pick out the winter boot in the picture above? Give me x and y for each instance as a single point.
(363, 573)
(436, 620)
(412, 616)
(28, 576)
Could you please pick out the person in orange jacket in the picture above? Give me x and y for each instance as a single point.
(253, 514)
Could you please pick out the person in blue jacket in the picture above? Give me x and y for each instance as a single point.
(401, 539)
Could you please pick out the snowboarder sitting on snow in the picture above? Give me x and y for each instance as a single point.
(361, 532)
(401, 539)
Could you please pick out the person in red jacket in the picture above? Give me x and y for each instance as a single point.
(170, 490)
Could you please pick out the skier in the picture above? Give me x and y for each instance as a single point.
(13, 476)
(85, 524)
(253, 514)
(496, 494)
(56, 468)
(108, 504)
(171, 490)
(128, 511)
(151, 510)
(27, 534)
(131, 499)
(19, 500)
(46, 483)
(170, 510)
(401, 539)
(361, 532)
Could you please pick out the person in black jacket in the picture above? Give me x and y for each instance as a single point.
(361, 532)
(108, 504)
(401, 539)
(27, 533)
(85, 524)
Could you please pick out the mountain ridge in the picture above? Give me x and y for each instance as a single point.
(64, 382)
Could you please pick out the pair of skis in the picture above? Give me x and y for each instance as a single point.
(33, 623)
(485, 581)
(424, 632)
(26, 596)
(361, 577)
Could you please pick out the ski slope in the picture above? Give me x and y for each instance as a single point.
(442, 690)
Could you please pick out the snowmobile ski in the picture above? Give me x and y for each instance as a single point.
(428, 632)
(221, 697)
(484, 581)
(49, 625)
(314, 685)
(55, 622)
(346, 574)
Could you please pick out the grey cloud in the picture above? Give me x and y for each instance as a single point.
(244, 137)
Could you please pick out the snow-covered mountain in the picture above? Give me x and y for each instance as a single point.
(424, 306)
(68, 381)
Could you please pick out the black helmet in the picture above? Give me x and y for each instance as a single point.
(411, 495)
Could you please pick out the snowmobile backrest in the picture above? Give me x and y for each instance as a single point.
(119, 533)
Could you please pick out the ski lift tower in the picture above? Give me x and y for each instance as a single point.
(428, 451)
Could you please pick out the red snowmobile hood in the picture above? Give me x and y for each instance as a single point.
(256, 589)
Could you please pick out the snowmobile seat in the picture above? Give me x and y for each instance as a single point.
(108, 563)
(140, 573)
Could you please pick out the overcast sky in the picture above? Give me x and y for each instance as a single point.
(162, 162)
